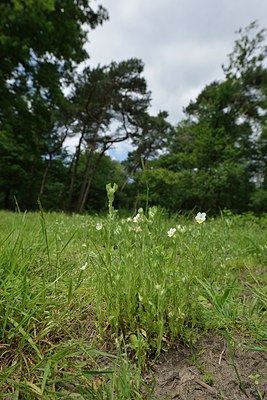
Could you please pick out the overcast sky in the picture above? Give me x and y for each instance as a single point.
(183, 43)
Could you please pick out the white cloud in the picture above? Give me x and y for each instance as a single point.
(119, 151)
(71, 143)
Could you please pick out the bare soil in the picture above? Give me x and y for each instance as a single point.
(208, 372)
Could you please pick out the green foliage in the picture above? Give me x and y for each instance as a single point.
(40, 44)
(258, 200)
(32, 32)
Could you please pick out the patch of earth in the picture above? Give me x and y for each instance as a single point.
(208, 373)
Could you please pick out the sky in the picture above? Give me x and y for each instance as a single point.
(183, 44)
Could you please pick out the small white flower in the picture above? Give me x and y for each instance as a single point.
(99, 226)
(84, 245)
(171, 232)
(138, 218)
(200, 217)
(84, 266)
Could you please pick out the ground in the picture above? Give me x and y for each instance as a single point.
(208, 372)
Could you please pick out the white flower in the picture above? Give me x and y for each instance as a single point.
(136, 218)
(99, 226)
(171, 232)
(200, 217)
(84, 266)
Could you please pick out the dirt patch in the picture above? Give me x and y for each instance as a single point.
(208, 373)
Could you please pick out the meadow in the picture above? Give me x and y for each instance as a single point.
(89, 303)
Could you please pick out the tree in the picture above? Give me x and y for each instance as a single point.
(41, 43)
(107, 102)
(247, 65)
(152, 139)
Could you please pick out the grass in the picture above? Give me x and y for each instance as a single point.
(86, 301)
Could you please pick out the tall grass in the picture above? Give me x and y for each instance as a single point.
(85, 301)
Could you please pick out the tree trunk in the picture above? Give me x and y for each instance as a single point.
(89, 183)
(86, 179)
(86, 174)
(47, 167)
(73, 170)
